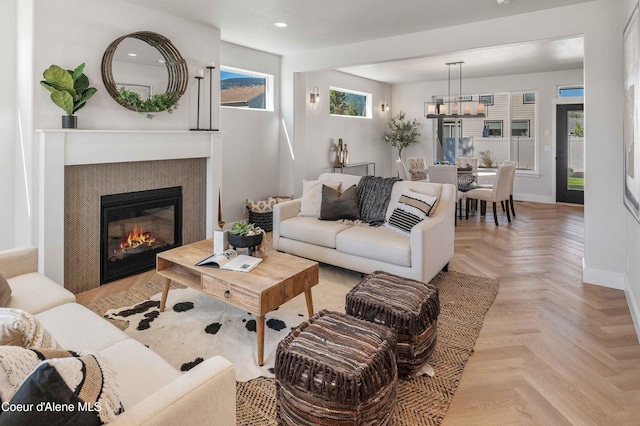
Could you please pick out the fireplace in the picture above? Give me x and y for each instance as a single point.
(134, 227)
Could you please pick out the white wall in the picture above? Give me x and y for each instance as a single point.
(530, 186)
(8, 68)
(601, 23)
(95, 25)
(363, 136)
(632, 228)
(250, 138)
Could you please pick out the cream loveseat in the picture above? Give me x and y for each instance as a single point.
(419, 256)
(152, 392)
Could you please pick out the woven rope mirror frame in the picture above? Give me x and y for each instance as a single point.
(177, 71)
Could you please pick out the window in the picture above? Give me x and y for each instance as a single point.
(245, 89)
(520, 128)
(349, 103)
(566, 92)
(487, 99)
(493, 128)
(529, 98)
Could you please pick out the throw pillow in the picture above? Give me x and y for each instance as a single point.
(336, 206)
(312, 196)
(5, 291)
(65, 388)
(20, 328)
(411, 209)
(261, 206)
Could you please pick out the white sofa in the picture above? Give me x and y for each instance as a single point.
(421, 256)
(152, 391)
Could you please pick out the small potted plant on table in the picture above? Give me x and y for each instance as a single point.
(245, 235)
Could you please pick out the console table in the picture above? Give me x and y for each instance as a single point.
(364, 165)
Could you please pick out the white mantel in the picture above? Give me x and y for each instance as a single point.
(60, 148)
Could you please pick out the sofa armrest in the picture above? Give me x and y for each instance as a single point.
(281, 212)
(432, 240)
(18, 261)
(205, 394)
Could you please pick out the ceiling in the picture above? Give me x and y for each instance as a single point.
(327, 23)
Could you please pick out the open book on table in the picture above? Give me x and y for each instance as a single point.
(231, 260)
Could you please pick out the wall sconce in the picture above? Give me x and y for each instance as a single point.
(385, 106)
(315, 95)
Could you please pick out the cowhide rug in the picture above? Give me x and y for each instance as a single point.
(195, 326)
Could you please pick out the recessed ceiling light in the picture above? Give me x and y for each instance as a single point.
(132, 54)
(503, 1)
(280, 24)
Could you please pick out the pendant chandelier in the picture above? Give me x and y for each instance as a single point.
(455, 107)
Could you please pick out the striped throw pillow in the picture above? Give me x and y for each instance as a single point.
(411, 209)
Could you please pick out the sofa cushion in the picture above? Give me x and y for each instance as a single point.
(378, 243)
(86, 384)
(35, 293)
(20, 328)
(312, 197)
(411, 209)
(77, 328)
(311, 230)
(5, 291)
(141, 371)
(336, 205)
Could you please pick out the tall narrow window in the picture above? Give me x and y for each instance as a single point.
(349, 103)
(245, 89)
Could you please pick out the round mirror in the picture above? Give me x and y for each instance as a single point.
(144, 72)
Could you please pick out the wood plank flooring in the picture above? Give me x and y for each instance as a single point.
(552, 351)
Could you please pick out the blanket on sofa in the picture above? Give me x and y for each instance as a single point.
(374, 193)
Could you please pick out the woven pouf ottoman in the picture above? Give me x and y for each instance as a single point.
(336, 369)
(410, 307)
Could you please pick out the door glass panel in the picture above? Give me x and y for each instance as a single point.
(575, 127)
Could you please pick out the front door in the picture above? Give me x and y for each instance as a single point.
(570, 150)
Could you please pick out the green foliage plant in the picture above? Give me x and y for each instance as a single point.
(243, 227)
(156, 103)
(402, 132)
(69, 89)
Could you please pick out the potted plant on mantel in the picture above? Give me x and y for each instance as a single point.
(402, 132)
(69, 90)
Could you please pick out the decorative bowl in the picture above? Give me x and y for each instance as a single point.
(244, 241)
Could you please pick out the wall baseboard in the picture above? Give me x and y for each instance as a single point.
(534, 198)
(633, 305)
(602, 278)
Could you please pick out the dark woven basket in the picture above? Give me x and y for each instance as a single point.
(263, 220)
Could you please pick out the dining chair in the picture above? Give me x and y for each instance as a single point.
(440, 173)
(499, 192)
(402, 170)
(510, 203)
(417, 165)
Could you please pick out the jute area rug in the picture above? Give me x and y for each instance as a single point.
(422, 400)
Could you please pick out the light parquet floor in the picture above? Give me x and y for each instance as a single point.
(552, 350)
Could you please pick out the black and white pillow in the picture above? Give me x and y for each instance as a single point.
(57, 387)
(411, 209)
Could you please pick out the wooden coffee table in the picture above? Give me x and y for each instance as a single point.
(277, 279)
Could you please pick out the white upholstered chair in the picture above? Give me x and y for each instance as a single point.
(510, 203)
(417, 167)
(402, 170)
(441, 173)
(499, 191)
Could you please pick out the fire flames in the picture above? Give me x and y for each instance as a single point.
(137, 238)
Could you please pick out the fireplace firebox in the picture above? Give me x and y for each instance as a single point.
(134, 227)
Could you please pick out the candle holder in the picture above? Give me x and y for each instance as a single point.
(211, 68)
(198, 77)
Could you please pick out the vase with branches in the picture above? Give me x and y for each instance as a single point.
(402, 132)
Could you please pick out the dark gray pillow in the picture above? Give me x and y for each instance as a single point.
(5, 291)
(336, 206)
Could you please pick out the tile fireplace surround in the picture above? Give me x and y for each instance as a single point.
(78, 166)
